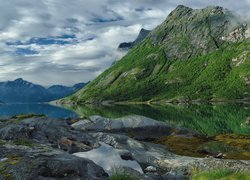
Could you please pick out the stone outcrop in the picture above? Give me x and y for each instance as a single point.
(239, 34)
(191, 32)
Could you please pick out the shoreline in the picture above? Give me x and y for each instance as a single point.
(152, 102)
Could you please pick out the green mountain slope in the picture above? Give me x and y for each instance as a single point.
(193, 55)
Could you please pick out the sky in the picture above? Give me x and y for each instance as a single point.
(66, 42)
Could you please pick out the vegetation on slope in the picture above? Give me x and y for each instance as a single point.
(144, 74)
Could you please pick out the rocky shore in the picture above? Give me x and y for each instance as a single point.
(45, 148)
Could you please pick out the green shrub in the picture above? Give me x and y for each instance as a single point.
(221, 174)
(23, 142)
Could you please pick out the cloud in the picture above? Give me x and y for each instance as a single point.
(66, 42)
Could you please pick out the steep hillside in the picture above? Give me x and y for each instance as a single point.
(194, 54)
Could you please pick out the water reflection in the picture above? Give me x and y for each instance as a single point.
(207, 119)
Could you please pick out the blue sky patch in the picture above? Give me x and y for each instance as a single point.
(25, 51)
(61, 40)
(102, 20)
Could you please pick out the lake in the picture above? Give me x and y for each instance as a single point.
(46, 109)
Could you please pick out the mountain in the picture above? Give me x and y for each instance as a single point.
(194, 55)
(59, 91)
(128, 45)
(24, 91)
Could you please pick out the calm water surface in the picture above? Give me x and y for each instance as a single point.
(46, 109)
(209, 120)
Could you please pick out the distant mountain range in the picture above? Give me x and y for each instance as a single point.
(22, 91)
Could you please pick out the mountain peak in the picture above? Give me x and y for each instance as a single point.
(179, 10)
(141, 36)
(182, 7)
(192, 32)
(19, 80)
(143, 30)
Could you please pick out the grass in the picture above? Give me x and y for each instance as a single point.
(2, 142)
(202, 147)
(26, 116)
(5, 166)
(23, 142)
(122, 177)
(118, 173)
(222, 174)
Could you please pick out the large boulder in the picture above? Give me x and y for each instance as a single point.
(43, 130)
(25, 163)
(139, 127)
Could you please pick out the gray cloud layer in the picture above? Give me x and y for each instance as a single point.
(98, 26)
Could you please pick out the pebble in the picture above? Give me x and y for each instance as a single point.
(3, 159)
(150, 169)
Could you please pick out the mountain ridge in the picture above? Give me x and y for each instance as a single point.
(194, 55)
(21, 90)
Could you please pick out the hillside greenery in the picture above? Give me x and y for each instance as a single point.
(145, 74)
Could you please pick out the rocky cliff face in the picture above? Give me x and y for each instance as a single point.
(239, 34)
(190, 32)
(197, 54)
(128, 45)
